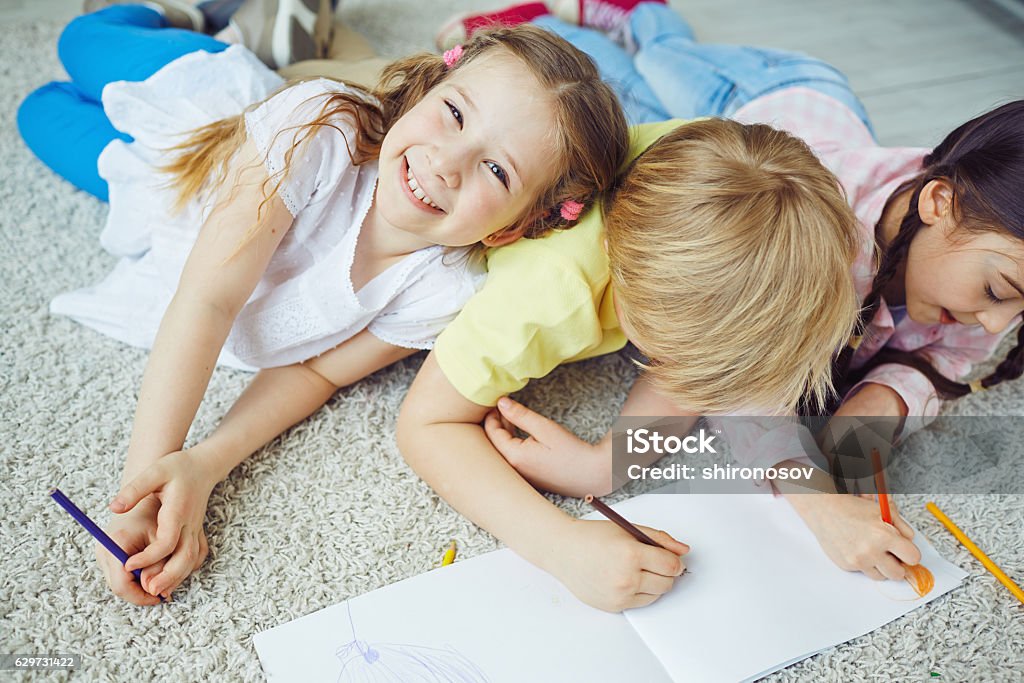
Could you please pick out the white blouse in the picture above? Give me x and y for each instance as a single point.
(305, 303)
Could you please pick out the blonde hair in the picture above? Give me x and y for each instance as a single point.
(730, 249)
(590, 135)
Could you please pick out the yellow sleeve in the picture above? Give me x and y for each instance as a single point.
(533, 314)
(545, 302)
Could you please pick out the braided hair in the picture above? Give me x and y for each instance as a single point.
(983, 162)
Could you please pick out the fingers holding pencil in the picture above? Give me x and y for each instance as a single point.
(897, 522)
(122, 582)
(664, 540)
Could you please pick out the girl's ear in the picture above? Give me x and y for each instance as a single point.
(503, 237)
(935, 201)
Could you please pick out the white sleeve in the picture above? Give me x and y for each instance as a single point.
(320, 155)
(419, 313)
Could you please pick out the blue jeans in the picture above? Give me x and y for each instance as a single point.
(63, 123)
(671, 75)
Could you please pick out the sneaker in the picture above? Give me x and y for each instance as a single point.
(282, 32)
(178, 13)
(608, 16)
(461, 27)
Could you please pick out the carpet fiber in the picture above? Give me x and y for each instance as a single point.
(330, 510)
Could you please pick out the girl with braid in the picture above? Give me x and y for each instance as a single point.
(939, 270)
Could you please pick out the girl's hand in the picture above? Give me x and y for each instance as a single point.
(181, 485)
(132, 531)
(607, 568)
(551, 457)
(853, 535)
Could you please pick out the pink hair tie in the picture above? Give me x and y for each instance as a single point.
(571, 210)
(451, 56)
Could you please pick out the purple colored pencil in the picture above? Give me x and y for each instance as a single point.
(97, 533)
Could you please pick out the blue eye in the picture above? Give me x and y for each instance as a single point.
(992, 295)
(456, 114)
(498, 172)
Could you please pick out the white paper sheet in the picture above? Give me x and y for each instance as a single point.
(489, 618)
(760, 595)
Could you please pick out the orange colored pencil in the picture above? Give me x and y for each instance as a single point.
(883, 495)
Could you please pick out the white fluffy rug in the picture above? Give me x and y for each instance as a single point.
(330, 510)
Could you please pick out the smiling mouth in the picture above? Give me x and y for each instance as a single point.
(416, 190)
(946, 318)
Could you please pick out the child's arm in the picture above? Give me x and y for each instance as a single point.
(220, 274)
(439, 434)
(274, 401)
(279, 398)
(848, 527)
(954, 355)
(850, 530)
(222, 270)
(554, 458)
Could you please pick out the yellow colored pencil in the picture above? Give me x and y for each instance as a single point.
(449, 555)
(976, 551)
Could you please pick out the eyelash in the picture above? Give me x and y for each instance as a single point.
(456, 114)
(992, 295)
(497, 170)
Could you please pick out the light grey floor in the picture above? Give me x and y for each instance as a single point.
(331, 511)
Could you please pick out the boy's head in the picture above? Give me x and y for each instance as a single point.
(730, 249)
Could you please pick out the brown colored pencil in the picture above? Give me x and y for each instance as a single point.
(621, 521)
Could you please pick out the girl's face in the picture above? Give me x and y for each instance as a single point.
(470, 157)
(953, 275)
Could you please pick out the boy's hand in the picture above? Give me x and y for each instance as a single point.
(181, 486)
(551, 457)
(853, 535)
(132, 531)
(607, 568)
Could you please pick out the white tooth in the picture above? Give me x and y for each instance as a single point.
(418, 192)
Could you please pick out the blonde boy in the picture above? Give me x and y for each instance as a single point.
(730, 248)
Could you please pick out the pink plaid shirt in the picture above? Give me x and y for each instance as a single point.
(869, 174)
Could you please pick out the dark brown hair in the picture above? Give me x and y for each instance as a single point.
(983, 162)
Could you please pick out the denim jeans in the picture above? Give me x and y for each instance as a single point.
(671, 75)
(63, 123)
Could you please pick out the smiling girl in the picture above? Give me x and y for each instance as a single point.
(308, 230)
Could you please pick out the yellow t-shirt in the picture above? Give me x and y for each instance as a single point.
(546, 301)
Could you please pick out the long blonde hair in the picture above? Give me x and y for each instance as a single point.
(591, 134)
(730, 249)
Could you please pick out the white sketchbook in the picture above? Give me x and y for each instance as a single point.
(760, 595)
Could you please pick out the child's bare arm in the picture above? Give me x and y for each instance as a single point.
(218, 278)
(281, 397)
(222, 270)
(439, 434)
(554, 458)
(275, 400)
(849, 528)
